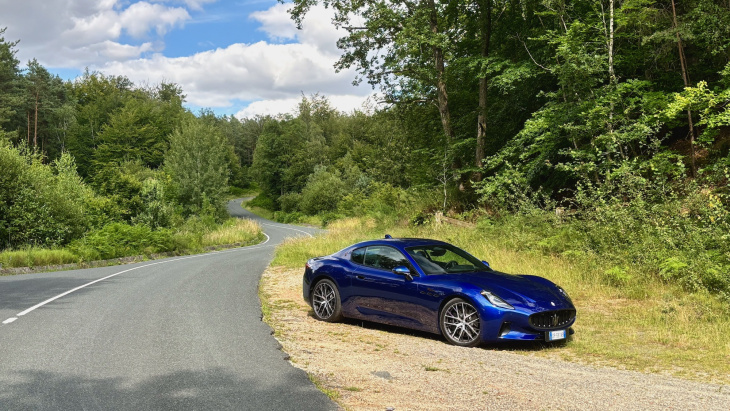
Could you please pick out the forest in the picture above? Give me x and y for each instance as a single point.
(582, 129)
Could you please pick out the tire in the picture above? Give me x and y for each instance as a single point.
(326, 301)
(460, 323)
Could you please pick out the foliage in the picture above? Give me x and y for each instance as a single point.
(322, 191)
(119, 240)
(198, 163)
(40, 204)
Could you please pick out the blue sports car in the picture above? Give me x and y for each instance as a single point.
(436, 287)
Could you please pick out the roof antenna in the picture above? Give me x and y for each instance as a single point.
(388, 236)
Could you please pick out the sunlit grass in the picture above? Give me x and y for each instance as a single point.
(36, 257)
(643, 325)
(234, 231)
(185, 241)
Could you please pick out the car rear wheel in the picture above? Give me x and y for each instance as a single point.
(326, 301)
(460, 323)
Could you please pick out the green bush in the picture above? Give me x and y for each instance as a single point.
(264, 201)
(120, 239)
(40, 204)
(323, 191)
(290, 202)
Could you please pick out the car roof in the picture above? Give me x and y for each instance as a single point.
(398, 242)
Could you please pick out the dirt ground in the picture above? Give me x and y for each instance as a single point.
(365, 366)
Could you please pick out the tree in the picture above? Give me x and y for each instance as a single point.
(403, 46)
(198, 163)
(137, 131)
(9, 81)
(97, 98)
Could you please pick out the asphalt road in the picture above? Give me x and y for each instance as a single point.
(172, 334)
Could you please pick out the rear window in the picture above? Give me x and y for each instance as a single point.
(358, 255)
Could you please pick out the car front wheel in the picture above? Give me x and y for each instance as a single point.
(460, 323)
(326, 301)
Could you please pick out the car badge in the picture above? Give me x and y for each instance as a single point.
(552, 303)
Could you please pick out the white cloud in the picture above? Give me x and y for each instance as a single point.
(79, 33)
(276, 23)
(344, 103)
(317, 27)
(272, 75)
(193, 4)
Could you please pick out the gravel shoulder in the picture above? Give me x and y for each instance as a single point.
(367, 366)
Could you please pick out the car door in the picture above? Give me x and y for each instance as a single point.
(382, 295)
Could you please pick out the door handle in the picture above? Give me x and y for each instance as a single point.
(360, 277)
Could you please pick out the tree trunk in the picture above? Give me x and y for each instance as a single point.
(685, 77)
(438, 57)
(611, 72)
(486, 34)
(35, 126)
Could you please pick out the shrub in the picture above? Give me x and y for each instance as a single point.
(322, 192)
(263, 201)
(39, 204)
(290, 202)
(120, 239)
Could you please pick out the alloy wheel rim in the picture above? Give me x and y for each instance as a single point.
(324, 300)
(461, 323)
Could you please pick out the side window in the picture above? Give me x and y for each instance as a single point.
(386, 258)
(358, 255)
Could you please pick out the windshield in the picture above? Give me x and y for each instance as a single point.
(445, 259)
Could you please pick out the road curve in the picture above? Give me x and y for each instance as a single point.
(172, 334)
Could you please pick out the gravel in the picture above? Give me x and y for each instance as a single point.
(352, 359)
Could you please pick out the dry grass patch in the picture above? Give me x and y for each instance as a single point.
(234, 231)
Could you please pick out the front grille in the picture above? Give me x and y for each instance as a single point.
(552, 319)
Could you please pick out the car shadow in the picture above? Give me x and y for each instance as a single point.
(523, 346)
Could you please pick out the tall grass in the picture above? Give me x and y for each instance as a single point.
(641, 323)
(233, 231)
(35, 257)
(122, 240)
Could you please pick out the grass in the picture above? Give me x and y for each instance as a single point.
(187, 240)
(332, 394)
(639, 324)
(34, 256)
(233, 231)
(281, 217)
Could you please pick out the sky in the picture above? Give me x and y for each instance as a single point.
(236, 57)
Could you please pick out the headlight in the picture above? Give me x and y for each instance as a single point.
(496, 301)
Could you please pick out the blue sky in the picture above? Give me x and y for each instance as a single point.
(237, 57)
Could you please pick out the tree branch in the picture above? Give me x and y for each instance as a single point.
(530, 54)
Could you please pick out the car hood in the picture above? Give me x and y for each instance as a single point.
(534, 293)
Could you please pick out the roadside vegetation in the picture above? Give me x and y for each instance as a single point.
(98, 168)
(639, 322)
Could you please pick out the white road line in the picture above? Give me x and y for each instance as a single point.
(137, 268)
(287, 228)
(9, 320)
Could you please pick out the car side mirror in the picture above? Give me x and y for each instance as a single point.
(404, 271)
(486, 263)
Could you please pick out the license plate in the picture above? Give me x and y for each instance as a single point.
(556, 335)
